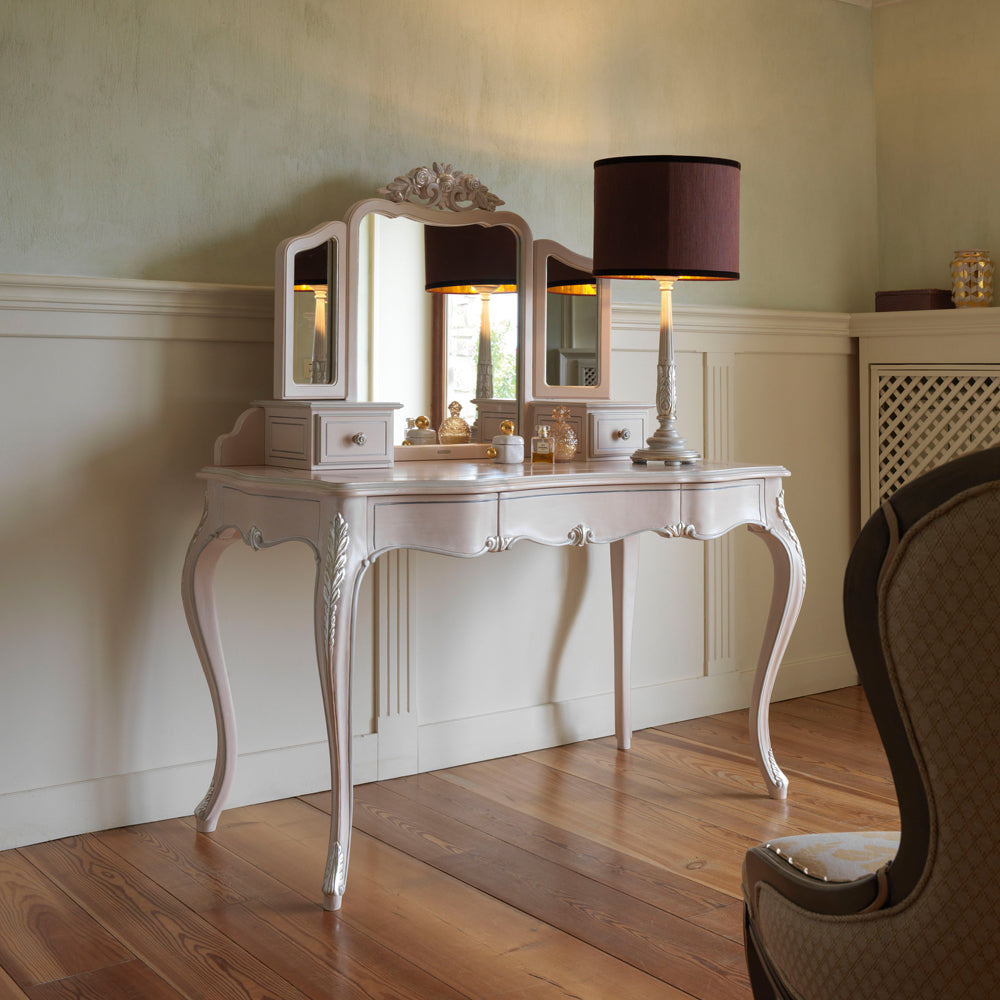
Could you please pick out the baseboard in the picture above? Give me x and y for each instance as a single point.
(39, 814)
(460, 741)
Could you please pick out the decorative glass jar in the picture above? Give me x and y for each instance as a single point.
(453, 429)
(563, 435)
(972, 278)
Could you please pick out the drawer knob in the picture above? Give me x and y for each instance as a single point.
(360, 439)
(624, 433)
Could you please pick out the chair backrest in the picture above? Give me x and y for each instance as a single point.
(922, 608)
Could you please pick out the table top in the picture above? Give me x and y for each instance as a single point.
(456, 477)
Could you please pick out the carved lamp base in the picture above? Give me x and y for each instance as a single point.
(683, 457)
(666, 445)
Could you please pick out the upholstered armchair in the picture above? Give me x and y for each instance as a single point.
(914, 914)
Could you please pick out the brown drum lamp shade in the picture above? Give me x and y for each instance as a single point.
(472, 260)
(563, 279)
(463, 259)
(667, 218)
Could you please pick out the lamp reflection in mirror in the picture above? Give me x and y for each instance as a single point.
(312, 275)
(566, 280)
(564, 366)
(472, 260)
(667, 218)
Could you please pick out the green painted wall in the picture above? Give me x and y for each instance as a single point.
(937, 91)
(182, 139)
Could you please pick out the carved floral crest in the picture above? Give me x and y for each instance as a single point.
(441, 187)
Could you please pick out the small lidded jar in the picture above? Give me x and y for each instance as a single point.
(419, 431)
(509, 447)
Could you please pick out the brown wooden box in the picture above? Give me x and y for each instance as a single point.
(913, 298)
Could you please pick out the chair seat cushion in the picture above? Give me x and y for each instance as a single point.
(837, 857)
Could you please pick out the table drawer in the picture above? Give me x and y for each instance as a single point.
(453, 525)
(714, 510)
(596, 515)
(267, 520)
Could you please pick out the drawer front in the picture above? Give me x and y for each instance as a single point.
(457, 526)
(350, 439)
(593, 516)
(267, 520)
(616, 434)
(714, 510)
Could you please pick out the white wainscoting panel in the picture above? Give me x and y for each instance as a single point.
(112, 393)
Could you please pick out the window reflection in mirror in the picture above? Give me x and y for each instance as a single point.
(572, 321)
(314, 306)
(461, 319)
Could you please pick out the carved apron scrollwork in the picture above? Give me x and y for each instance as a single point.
(679, 530)
(580, 535)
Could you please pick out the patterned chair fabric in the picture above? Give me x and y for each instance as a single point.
(922, 606)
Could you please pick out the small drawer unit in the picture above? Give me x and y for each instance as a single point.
(309, 434)
(604, 429)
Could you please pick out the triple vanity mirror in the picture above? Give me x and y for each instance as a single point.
(428, 296)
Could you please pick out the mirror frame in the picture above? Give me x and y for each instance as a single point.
(542, 251)
(439, 217)
(285, 387)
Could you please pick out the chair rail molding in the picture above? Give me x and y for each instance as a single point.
(106, 308)
(732, 329)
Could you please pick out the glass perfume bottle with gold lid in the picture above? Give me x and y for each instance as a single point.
(543, 447)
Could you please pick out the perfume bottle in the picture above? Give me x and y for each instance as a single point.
(563, 435)
(543, 447)
(453, 429)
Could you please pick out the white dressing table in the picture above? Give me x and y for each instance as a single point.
(318, 464)
(349, 517)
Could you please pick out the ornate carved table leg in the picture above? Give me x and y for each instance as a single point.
(786, 601)
(197, 589)
(624, 569)
(339, 571)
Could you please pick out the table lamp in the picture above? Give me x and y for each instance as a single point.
(469, 260)
(668, 218)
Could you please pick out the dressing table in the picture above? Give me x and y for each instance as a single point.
(320, 465)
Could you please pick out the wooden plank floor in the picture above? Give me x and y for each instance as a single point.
(573, 872)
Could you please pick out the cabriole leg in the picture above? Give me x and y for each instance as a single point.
(197, 589)
(339, 572)
(786, 601)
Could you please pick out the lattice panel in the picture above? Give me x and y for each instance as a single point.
(924, 417)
